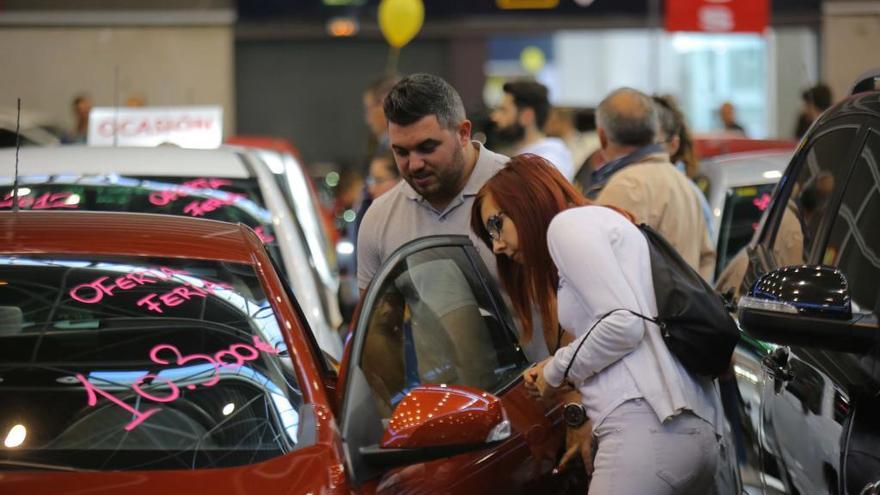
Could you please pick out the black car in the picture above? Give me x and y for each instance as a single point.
(810, 401)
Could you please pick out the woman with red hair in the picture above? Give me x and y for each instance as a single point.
(656, 424)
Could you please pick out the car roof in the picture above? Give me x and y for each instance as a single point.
(162, 161)
(743, 169)
(133, 234)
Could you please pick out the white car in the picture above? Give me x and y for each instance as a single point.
(34, 129)
(306, 206)
(235, 175)
(740, 188)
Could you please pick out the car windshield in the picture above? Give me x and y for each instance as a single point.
(743, 207)
(200, 198)
(132, 363)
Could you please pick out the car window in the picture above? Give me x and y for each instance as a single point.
(130, 363)
(820, 174)
(113, 193)
(854, 243)
(434, 323)
(743, 207)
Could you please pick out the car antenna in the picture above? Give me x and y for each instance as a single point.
(116, 106)
(17, 148)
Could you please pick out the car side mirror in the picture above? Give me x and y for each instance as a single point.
(436, 421)
(804, 305)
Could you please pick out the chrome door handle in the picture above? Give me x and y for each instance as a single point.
(776, 364)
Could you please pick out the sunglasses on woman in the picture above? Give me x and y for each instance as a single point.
(494, 224)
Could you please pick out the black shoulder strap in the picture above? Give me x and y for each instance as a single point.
(656, 321)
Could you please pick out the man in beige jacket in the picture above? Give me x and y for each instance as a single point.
(639, 177)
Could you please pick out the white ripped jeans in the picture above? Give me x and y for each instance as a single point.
(638, 455)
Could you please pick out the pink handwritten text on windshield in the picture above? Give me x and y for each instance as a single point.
(762, 203)
(103, 287)
(235, 356)
(200, 208)
(46, 201)
(162, 198)
(263, 235)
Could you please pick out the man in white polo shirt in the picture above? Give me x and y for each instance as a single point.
(443, 169)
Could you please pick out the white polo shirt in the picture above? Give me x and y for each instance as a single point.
(402, 215)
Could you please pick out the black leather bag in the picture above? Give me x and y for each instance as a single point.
(693, 319)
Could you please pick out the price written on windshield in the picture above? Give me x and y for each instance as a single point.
(233, 357)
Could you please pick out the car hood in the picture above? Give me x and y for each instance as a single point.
(312, 469)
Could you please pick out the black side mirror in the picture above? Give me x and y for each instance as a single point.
(804, 305)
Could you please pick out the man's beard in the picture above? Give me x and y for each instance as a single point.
(511, 134)
(447, 180)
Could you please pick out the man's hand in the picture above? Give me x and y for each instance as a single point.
(578, 441)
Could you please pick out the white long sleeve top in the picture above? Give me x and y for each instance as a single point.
(604, 263)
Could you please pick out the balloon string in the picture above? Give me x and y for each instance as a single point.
(393, 58)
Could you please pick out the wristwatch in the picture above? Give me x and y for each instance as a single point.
(574, 414)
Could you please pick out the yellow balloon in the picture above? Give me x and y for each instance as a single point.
(401, 20)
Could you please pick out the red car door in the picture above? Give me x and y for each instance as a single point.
(433, 316)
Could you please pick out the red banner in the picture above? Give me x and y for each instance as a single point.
(717, 16)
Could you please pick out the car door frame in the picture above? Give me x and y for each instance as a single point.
(761, 259)
(359, 418)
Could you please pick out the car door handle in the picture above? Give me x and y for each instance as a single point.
(777, 365)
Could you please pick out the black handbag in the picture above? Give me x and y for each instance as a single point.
(692, 317)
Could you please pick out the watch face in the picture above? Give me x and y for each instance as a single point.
(574, 414)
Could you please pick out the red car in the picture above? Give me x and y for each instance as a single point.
(145, 354)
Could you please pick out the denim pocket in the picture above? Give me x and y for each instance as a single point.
(679, 455)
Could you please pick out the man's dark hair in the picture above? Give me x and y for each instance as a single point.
(420, 95)
(819, 95)
(628, 123)
(530, 94)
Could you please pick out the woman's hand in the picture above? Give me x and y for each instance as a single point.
(530, 378)
(545, 390)
(578, 441)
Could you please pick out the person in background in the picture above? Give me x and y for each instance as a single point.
(676, 139)
(136, 100)
(374, 115)
(384, 175)
(81, 106)
(563, 124)
(520, 119)
(727, 112)
(656, 423)
(638, 177)
(815, 100)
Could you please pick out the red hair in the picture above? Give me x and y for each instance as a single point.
(530, 191)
